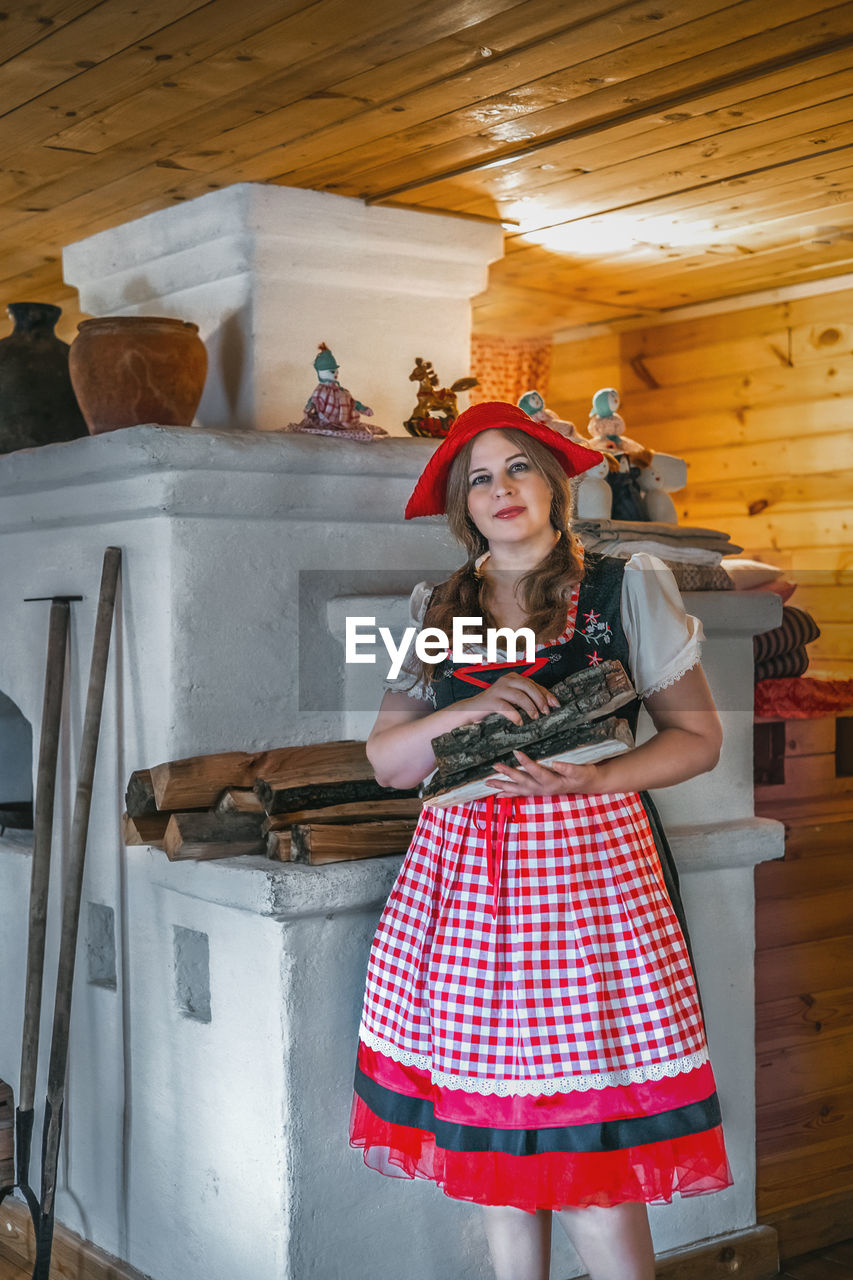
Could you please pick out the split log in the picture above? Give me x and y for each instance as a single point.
(577, 744)
(283, 798)
(198, 781)
(278, 846)
(146, 829)
(239, 800)
(139, 799)
(595, 691)
(317, 762)
(360, 811)
(211, 835)
(319, 843)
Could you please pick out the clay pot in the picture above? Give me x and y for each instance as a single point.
(37, 404)
(130, 370)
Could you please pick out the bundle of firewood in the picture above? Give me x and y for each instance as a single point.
(321, 802)
(575, 731)
(316, 803)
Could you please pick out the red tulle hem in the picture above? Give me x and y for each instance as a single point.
(692, 1165)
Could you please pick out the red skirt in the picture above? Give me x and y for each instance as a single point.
(532, 1033)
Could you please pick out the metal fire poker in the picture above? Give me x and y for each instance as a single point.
(71, 911)
(54, 680)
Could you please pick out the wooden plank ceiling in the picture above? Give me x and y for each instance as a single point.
(643, 154)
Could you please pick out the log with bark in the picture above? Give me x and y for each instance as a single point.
(575, 731)
(139, 798)
(147, 829)
(198, 781)
(280, 797)
(319, 843)
(239, 800)
(210, 835)
(216, 806)
(278, 846)
(360, 811)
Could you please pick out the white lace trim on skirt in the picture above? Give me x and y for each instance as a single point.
(534, 1088)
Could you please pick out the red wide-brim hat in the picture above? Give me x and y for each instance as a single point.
(430, 493)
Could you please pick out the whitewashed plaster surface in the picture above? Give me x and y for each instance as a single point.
(213, 1144)
(269, 272)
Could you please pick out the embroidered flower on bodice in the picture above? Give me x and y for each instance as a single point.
(596, 630)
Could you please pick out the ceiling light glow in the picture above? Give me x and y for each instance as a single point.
(609, 234)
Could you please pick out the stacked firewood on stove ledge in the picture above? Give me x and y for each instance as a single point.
(321, 803)
(312, 804)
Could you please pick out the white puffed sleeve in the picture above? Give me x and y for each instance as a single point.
(664, 641)
(409, 680)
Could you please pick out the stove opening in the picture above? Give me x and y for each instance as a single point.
(16, 768)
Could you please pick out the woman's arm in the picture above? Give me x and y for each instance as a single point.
(400, 743)
(687, 743)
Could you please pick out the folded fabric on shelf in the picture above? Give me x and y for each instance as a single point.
(796, 630)
(803, 698)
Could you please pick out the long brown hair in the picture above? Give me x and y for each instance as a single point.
(545, 589)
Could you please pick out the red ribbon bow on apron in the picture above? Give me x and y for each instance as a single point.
(508, 807)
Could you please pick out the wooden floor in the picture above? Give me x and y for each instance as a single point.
(833, 1263)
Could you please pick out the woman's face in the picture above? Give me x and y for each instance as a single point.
(508, 500)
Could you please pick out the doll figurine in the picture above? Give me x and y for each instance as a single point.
(641, 480)
(592, 492)
(664, 475)
(331, 410)
(607, 433)
(592, 497)
(606, 428)
(659, 505)
(533, 404)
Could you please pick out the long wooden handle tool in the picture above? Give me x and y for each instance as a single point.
(71, 911)
(54, 680)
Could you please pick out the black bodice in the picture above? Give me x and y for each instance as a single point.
(598, 636)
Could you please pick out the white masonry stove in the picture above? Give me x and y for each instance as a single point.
(216, 1004)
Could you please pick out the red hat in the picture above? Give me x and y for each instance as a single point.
(430, 492)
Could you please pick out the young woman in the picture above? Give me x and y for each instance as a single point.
(532, 1037)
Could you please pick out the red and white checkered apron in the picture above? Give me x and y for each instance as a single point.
(529, 973)
(582, 972)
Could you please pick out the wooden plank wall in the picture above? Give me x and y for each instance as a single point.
(804, 1025)
(759, 401)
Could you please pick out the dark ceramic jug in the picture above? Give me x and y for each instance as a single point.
(37, 401)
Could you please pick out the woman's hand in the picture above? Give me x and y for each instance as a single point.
(532, 779)
(508, 697)
(400, 743)
(687, 743)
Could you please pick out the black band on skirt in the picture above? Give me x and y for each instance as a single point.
(607, 1135)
